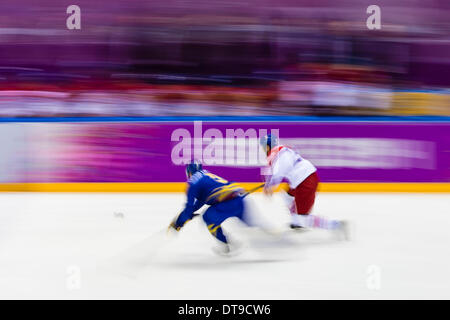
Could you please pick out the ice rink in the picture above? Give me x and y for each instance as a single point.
(110, 246)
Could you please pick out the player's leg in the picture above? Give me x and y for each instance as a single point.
(213, 221)
(289, 200)
(216, 215)
(305, 195)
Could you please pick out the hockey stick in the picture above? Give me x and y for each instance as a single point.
(253, 190)
(246, 193)
(243, 196)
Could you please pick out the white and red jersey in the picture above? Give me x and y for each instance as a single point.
(287, 165)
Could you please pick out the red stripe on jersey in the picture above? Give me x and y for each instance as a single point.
(273, 153)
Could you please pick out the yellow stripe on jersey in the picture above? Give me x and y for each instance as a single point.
(222, 192)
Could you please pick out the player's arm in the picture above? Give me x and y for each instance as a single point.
(280, 168)
(192, 205)
(197, 205)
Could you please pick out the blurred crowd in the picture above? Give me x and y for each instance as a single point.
(195, 57)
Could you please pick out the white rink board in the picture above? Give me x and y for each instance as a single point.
(57, 246)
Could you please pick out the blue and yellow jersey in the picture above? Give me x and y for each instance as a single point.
(206, 188)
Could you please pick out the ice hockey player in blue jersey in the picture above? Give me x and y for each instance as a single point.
(224, 198)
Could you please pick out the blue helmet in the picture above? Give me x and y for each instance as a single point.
(269, 140)
(193, 167)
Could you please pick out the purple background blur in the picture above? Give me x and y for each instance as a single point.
(198, 57)
(141, 152)
(199, 37)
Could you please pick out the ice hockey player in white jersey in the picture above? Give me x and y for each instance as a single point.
(286, 165)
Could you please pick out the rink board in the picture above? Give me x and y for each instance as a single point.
(150, 156)
(181, 187)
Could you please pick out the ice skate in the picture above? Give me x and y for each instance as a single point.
(297, 227)
(228, 249)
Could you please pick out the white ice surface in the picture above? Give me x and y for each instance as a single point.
(77, 246)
